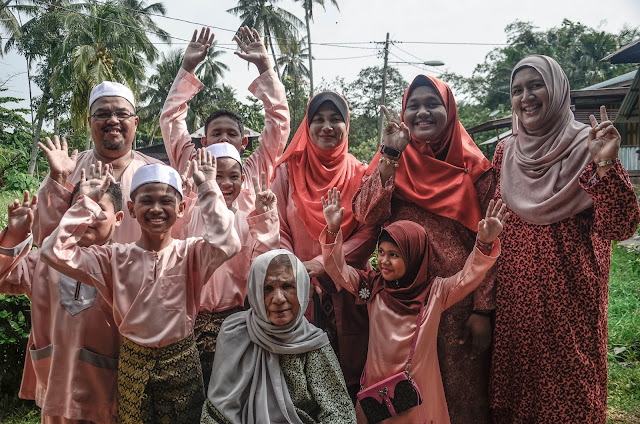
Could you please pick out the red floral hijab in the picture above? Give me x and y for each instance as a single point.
(439, 175)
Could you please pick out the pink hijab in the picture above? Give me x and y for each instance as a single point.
(540, 169)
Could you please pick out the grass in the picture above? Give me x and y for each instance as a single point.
(623, 348)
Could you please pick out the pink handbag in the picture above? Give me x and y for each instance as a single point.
(394, 394)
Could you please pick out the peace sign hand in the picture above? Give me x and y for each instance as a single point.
(197, 49)
(396, 134)
(604, 138)
(21, 215)
(253, 49)
(265, 198)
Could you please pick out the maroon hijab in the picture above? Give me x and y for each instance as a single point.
(407, 296)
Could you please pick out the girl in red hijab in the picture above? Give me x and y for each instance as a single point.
(430, 171)
(316, 161)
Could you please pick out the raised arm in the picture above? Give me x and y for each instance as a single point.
(270, 91)
(220, 239)
(264, 224)
(173, 125)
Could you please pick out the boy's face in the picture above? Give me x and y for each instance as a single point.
(225, 129)
(156, 207)
(229, 178)
(101, 231)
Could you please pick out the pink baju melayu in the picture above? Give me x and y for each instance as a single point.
(154, 295)
(390, 334)
(268, 88)
(72, 359)
(53, 199)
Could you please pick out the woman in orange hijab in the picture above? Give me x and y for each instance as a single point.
(430, 171)
(316, 161)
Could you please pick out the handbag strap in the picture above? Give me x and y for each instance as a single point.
(411, 351)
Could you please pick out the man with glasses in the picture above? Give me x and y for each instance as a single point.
(113, 122)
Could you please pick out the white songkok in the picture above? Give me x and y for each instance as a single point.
(224, 150)
(111, 89)
(156, 173)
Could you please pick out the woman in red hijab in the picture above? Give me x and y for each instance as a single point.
(316, 161)
(430, 171)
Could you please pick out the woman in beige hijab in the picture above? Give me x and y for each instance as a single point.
(569, 197)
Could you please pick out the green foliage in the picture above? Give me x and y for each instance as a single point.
(576, 47)
(20, 181)
(15, 322)
(624, 338)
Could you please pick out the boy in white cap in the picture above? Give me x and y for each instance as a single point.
(71, 366)
(259, 231)
(153, 286)
(224, 125)
(113, 122)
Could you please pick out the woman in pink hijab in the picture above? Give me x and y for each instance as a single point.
(569, 196)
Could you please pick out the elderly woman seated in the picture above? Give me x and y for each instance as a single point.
(272, 365)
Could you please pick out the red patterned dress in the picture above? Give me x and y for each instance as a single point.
(464, 376)
(549, 361)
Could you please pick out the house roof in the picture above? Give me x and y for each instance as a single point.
(627, 54)
(629, 111)
(623, 80)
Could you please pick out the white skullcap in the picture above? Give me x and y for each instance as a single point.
(111, 89)
(224, 150)
(156, 173)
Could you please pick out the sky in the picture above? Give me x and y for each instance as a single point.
(420, 29)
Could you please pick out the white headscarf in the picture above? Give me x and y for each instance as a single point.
(247, 384)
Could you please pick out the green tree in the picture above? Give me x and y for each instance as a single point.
(277, 24)
(295, 75)
(308, 18)
(576, 47)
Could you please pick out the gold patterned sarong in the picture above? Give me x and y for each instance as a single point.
(160, 385)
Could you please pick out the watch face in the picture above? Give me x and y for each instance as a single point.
(389, 151)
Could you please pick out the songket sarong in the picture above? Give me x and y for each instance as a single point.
(206, 330)
(160, 385)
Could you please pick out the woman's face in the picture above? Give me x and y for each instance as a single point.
(530, 98)
(281, 294)
(424, 113)
(390, 261)
(327, 129)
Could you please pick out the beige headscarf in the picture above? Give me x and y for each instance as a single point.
(540, 169)
(247, 384)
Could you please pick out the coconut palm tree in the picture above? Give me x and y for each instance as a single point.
(308, 17)
(274, 22)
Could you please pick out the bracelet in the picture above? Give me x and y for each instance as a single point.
(389, 161)
(608, 162)
(331, 232)
(482, 313)
(487, 246)
(386, 150)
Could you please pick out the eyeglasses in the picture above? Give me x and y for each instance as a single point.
(105, 116)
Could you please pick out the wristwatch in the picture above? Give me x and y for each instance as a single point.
(386, 150)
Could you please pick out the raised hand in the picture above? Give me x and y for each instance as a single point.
(61, 165)
(187, 181)
(333, 212)
(491, 226)
(21, 215)
(204, 167)
(265, 198)
(604, 138)
(395, 134)
(95, 184)
(253, 49)
(197, 49)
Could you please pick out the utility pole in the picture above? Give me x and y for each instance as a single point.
(384, 88)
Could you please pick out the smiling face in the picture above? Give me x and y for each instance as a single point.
(280, 293)
(424, 113)
(225, 129)
(113, 138)
(390, 261)
(156, 206)
(530, 98)
(327, 128)
(229, 178)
